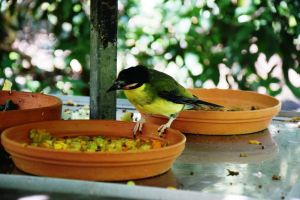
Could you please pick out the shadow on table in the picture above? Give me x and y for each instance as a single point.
(235, 149)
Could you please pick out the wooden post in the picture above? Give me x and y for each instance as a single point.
(104, 16)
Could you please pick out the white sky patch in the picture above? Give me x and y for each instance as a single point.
(58, 52)
(209, 84)
(182, 76)
(25, 64)
(296, 42)
(171, 69)
(168, 56)
(224, 71)
(275, 86)
(263, 66)
(76, 66)
(66, 26)
(52, 19)
(215, 9)
(45, 5)
(130, 60)
(151, 19)
(262, 90)
(253, 48)
(192, 62)
(142, 44)
(183, 26)
(206, 14)
(157, 47)
(8, 72)
(59, 63)
(244, 18)
(294, 77)
(178, 73)
(183, 44)
(135, 50)
(39, 61)
(252, 78)
(20, 80)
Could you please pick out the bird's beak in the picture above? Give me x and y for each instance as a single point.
(116, 86)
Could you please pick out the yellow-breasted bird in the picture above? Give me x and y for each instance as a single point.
(154, 92)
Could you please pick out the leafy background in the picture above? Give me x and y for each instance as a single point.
(250, 45)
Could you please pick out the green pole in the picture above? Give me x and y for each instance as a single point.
(104, 16)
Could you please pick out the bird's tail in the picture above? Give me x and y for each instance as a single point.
(195, 103)
(199, 102)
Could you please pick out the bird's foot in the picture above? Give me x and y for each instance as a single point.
(138, 126)
(162, 129)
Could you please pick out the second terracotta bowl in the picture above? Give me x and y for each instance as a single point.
(229, 122)
(104, 166)
(32, 107)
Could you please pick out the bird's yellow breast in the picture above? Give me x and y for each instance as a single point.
(146, 101)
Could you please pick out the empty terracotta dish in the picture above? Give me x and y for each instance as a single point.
(104, 166)
(31, 107)
(225, 122)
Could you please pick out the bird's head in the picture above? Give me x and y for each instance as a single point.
(130, 78)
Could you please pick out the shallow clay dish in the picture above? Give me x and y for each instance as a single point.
(229, 122)
(102, 166)
(32, 107)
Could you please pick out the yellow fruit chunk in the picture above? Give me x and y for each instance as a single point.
(171, 188)
(130, 183)
(254, 142)
(7, 85)
(127, 117)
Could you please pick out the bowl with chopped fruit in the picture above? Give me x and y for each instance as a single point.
(24, 107)
(102, 150)
(243, 112)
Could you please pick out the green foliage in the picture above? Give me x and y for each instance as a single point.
(66, 25)
(212, 41)
(221, 33)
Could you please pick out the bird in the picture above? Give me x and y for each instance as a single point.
(155, 93)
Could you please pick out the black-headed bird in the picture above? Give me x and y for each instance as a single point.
(154, 92)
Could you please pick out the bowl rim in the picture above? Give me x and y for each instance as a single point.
(228, 116)
(57, 101)
(278, 103)
(6, 140)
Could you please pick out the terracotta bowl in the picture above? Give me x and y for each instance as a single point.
(102, 166)
(33, 107)
(229, 122)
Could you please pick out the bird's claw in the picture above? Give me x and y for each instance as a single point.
(161, 130)
(138, 128)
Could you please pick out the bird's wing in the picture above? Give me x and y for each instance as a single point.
(176, 98)
(166, 87)
(181, 99)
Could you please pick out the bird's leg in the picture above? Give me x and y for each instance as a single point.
(138, 126)
(163, 127)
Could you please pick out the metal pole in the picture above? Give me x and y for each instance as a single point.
(104, 16)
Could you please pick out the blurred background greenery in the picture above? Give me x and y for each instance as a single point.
(245, 44)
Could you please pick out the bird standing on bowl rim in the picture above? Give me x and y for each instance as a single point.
(155, 93)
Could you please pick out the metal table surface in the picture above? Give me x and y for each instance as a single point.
(202, 171)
